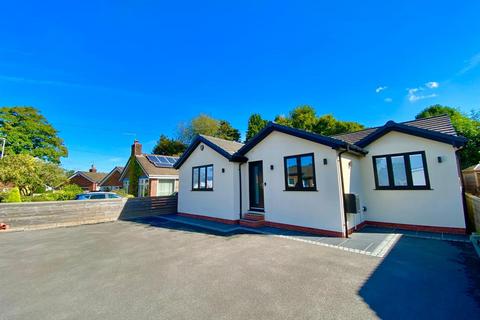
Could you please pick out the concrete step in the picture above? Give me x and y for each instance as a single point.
(254, 216)
(252, 223)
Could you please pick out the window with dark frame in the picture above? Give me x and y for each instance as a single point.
(402, 171)
(202, 178)
(300, 173)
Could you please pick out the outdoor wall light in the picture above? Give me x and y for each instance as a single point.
(325, 161)
(271, 167)
(440, 159)
(223, 170)
(202, 147)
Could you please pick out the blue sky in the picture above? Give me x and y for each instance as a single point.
(104, 72)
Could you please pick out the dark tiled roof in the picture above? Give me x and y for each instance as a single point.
(229, 146)
(441, 124)
(94, 176)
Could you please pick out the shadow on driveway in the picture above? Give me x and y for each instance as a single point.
(422, 278)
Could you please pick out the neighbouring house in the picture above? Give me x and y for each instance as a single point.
(471, 179)
(111, 181)
(87, 180)
(403, 175)
(149, 175)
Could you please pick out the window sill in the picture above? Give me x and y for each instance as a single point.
(299, 190)
(403, 189)
(201, 190)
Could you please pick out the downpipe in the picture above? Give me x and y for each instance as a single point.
(343, 190)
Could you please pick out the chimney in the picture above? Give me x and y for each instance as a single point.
(136, 148)
(92, 169)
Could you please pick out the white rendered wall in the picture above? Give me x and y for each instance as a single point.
(315, 209)
(353, 184)
(442, 206)
(219, 203)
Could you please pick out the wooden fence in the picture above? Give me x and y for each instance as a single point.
(51, 214)
(148, 206)
(473, 211)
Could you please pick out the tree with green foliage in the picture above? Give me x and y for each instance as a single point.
(305, 118)
(29, 132)
(169, 147)
(227, 132)
(255, 124)
(283, 120)
(209, 126)
(30, 174)
(327, 125)
(201, 124)
(465, 125)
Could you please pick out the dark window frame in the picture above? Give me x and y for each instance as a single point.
(299, 186)
(408, 171)
(206, 178)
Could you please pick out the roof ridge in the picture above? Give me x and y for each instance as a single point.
(212, 137)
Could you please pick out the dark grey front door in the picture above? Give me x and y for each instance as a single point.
(255, 174)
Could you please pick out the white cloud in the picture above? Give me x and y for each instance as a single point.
(472, 63)
(414, 94)
(432, 84)
(388, 100)
(380, 89)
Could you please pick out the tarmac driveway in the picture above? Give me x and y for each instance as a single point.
(127, 270)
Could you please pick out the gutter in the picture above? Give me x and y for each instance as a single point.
(343, 189)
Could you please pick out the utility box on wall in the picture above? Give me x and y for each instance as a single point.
(351, 203)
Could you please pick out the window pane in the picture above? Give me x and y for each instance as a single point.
(210, 177)
(399, 172)
(292, 175)
(97, 196)
(418, 172)
(306, 163)
(382, 172)
(165, 187)
(202, 177)
(195, 178)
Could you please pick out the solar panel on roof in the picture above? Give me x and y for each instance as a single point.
(152, 159)
(172, 160)
(162, 161)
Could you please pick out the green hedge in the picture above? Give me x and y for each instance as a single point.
(12, 195)
(68, 192)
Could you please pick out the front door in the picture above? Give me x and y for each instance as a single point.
(255, 175)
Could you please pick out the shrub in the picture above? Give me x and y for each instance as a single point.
(123, 193)
(13, 195)
(68, 192)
